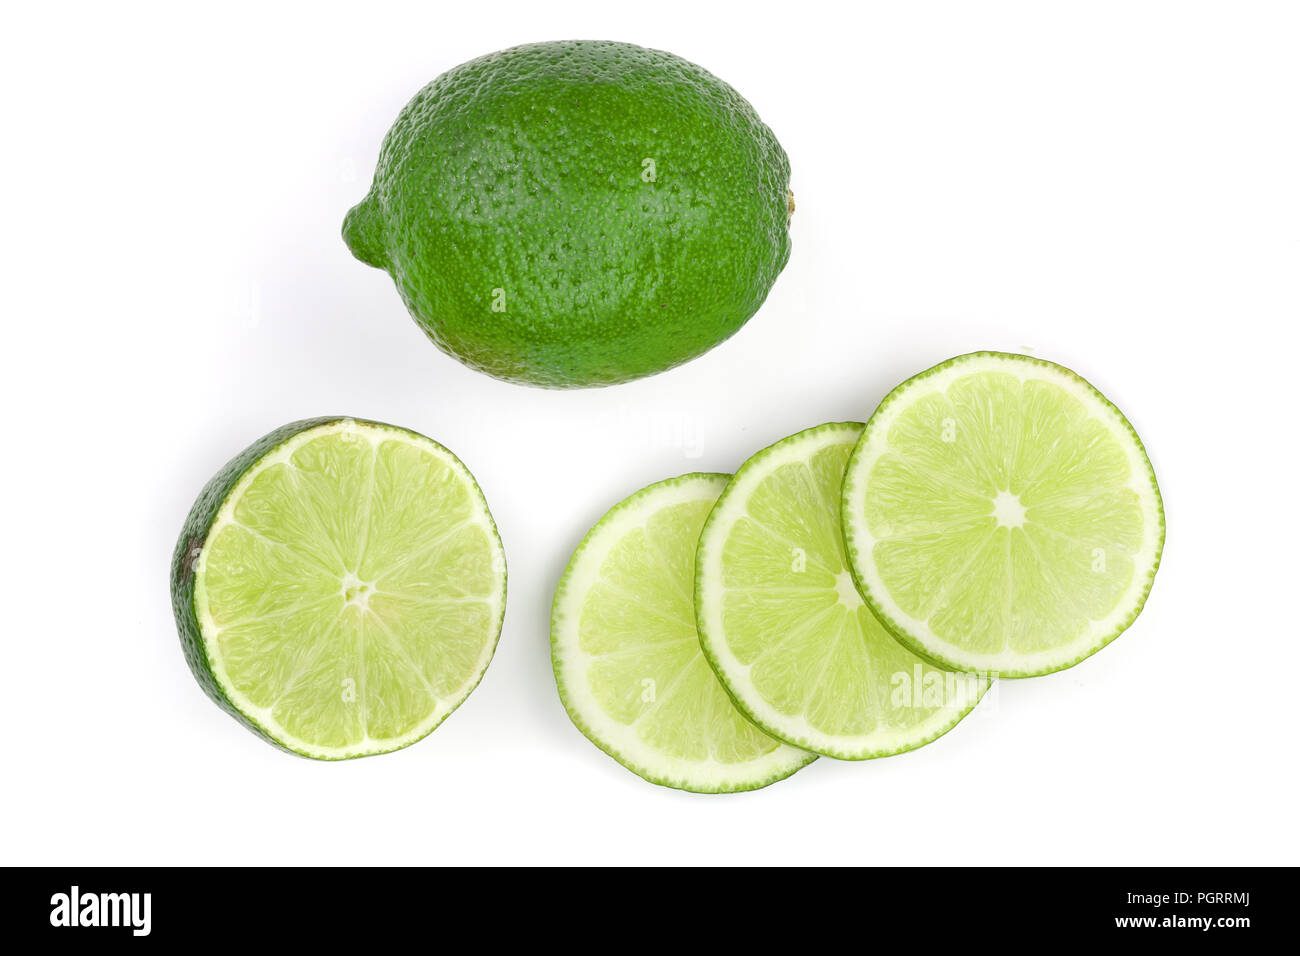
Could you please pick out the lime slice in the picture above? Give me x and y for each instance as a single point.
(1001, 515)
(339, 587)
(627, 658)
(786, 630)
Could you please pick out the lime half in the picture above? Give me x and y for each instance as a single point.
(1001, 515)
(784, 627)
(627, 657)
(339, 587)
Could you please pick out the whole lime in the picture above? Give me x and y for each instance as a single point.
(577, 213)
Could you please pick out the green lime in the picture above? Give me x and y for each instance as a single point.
(577, 213)
(627, 657)
(339, 587)
(786, 630)
(1001, 515)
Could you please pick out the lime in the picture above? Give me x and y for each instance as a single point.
(1001, 515)
(577, 213)
(339, 587)
(627, 658)
(784, 627)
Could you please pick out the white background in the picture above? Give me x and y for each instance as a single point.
(1115, 186)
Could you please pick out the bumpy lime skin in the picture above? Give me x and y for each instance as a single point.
(193, 534)
(577, 213)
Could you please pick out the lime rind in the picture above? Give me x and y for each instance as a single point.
(917, 634)
(213, 511)
(572, 665)
(963, 691)
(537, 285)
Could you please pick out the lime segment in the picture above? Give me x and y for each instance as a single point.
(627, 656)
(1001, 515)
(784, 627)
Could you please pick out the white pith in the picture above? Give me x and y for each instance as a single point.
(847, 592)
(795, 727)
(572, 663)
(264, 717)
(1008, 512)
(862, 542)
